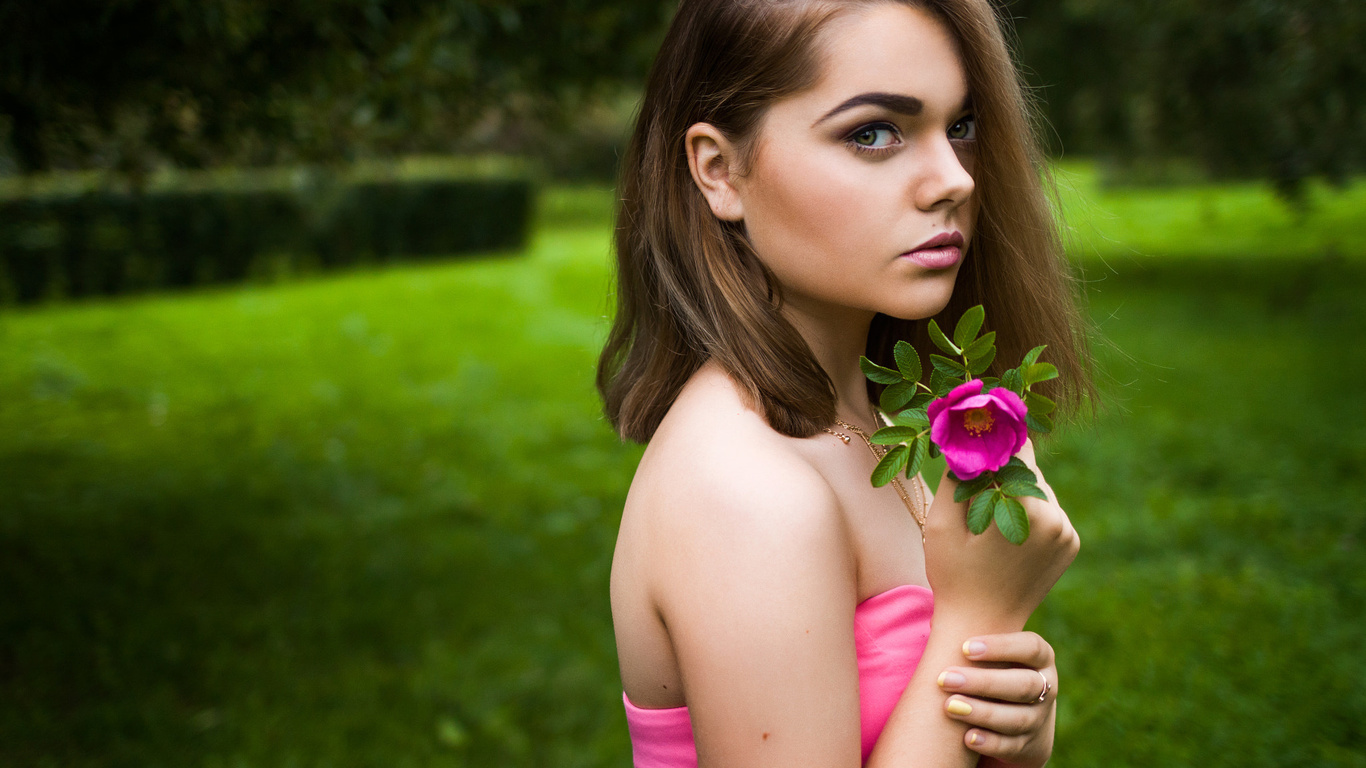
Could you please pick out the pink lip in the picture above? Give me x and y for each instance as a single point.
(939, 252)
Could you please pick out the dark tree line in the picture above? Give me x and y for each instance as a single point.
(1265, 88)
(121, 83)
(1268, 88)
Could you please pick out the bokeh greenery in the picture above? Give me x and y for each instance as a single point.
(1247, 88)
(367, 519)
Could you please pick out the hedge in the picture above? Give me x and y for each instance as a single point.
(71, 236)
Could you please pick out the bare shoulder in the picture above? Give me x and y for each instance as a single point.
(717, 477)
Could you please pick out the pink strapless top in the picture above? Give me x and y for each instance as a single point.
(890, 631)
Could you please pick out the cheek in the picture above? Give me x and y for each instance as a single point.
(808, 210)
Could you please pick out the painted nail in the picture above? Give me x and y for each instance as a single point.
(949, 679)
(959, 707)
(975, 738)
(974, 648)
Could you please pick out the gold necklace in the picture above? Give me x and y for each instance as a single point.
(918, 510)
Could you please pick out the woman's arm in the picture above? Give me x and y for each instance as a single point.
(757, 586)
(982, 584)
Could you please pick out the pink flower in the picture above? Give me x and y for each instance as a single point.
(978, 432)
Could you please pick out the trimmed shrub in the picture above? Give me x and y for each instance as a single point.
(65, 237)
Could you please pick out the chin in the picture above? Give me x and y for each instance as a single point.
(927, 302)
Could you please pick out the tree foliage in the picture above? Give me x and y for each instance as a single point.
(125, 83)
(1264, 88)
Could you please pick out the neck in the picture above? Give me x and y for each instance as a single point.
(838, 340)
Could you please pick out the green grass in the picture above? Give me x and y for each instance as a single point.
(367, 520)
(1220, 221)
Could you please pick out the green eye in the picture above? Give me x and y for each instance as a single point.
(877, 136)
(964, 130)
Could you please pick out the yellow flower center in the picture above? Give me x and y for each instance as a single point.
(977, 421)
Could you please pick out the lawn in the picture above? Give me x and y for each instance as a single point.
(366, 520)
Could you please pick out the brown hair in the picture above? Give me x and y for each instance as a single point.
(689, 286)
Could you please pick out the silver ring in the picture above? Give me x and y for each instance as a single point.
(1043, 695)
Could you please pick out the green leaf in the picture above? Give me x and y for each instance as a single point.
(968, 326)
(891, 464)
(1040, 372)
(877, 373)
(921, 400)
(940, 383)
(894, 435)
(949, 367)
(912, 417)
(1032, 356)
(1016, 471)
(1024, 489)
(980, 365)
(896, 396)
(942, 341)
(989, 383)
(907, 360)
(920, 450)
(1013, 381)
(1038, 404)
(1012, 520)
(979, 348)
(980, 512)
(1041, 424)
(969, 488)
(935, 451)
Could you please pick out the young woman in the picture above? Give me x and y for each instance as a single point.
(808, 181)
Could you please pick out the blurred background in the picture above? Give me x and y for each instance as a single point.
(300, 459)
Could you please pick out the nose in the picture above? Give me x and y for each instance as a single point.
(944, 182)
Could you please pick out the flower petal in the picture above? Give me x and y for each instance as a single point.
(965, 464)
(967, 389)
(1010, 401)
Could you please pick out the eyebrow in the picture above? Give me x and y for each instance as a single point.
(895, 102)
(903, 105)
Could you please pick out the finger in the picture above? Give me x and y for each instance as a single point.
(1004, 719)
(1015, 750)
(1026, 649)
(1018, 686)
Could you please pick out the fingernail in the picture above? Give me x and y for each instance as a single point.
(959, 707)
(974, 648)
(974, 738)
(949, 679)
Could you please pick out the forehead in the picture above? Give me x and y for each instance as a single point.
(889, 47)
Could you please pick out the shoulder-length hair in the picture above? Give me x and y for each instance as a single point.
(691, 289)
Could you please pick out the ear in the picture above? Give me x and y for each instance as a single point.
(712, 160)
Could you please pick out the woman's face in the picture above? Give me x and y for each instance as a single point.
(851, 177)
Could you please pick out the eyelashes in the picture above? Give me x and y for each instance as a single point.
(967, 125)
(867, 139)
(881, 137)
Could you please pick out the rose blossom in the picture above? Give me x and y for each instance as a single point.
(978, 432)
